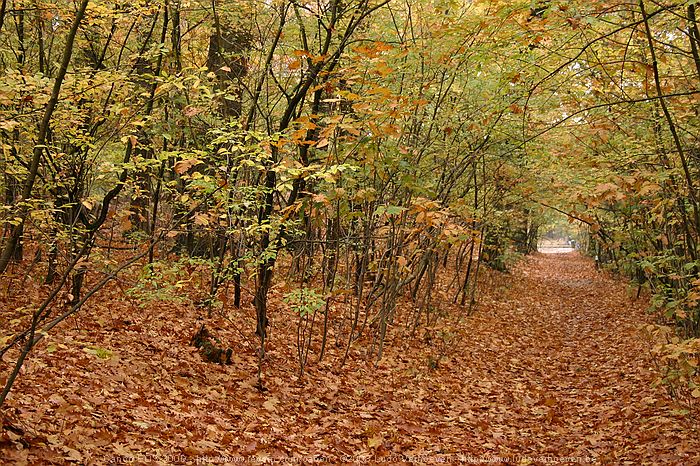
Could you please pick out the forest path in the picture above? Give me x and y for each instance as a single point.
(564, 363)
(550, 369)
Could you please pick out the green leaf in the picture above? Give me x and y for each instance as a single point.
(390, 210)
(99, 352)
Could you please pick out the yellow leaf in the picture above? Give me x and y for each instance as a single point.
(200, 219)
(375, 441)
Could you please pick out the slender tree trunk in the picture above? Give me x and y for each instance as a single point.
(24, 208)
(3, 11)
(669, 119)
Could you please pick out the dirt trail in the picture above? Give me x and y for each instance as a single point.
(567, 367)
(550, 369)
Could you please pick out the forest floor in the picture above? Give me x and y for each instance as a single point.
(550, 369)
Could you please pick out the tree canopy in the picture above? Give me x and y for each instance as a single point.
(344, 158)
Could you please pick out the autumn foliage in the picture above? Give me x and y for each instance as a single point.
(223, 221)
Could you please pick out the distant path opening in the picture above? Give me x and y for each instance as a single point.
(556, 250)
(561, 237)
